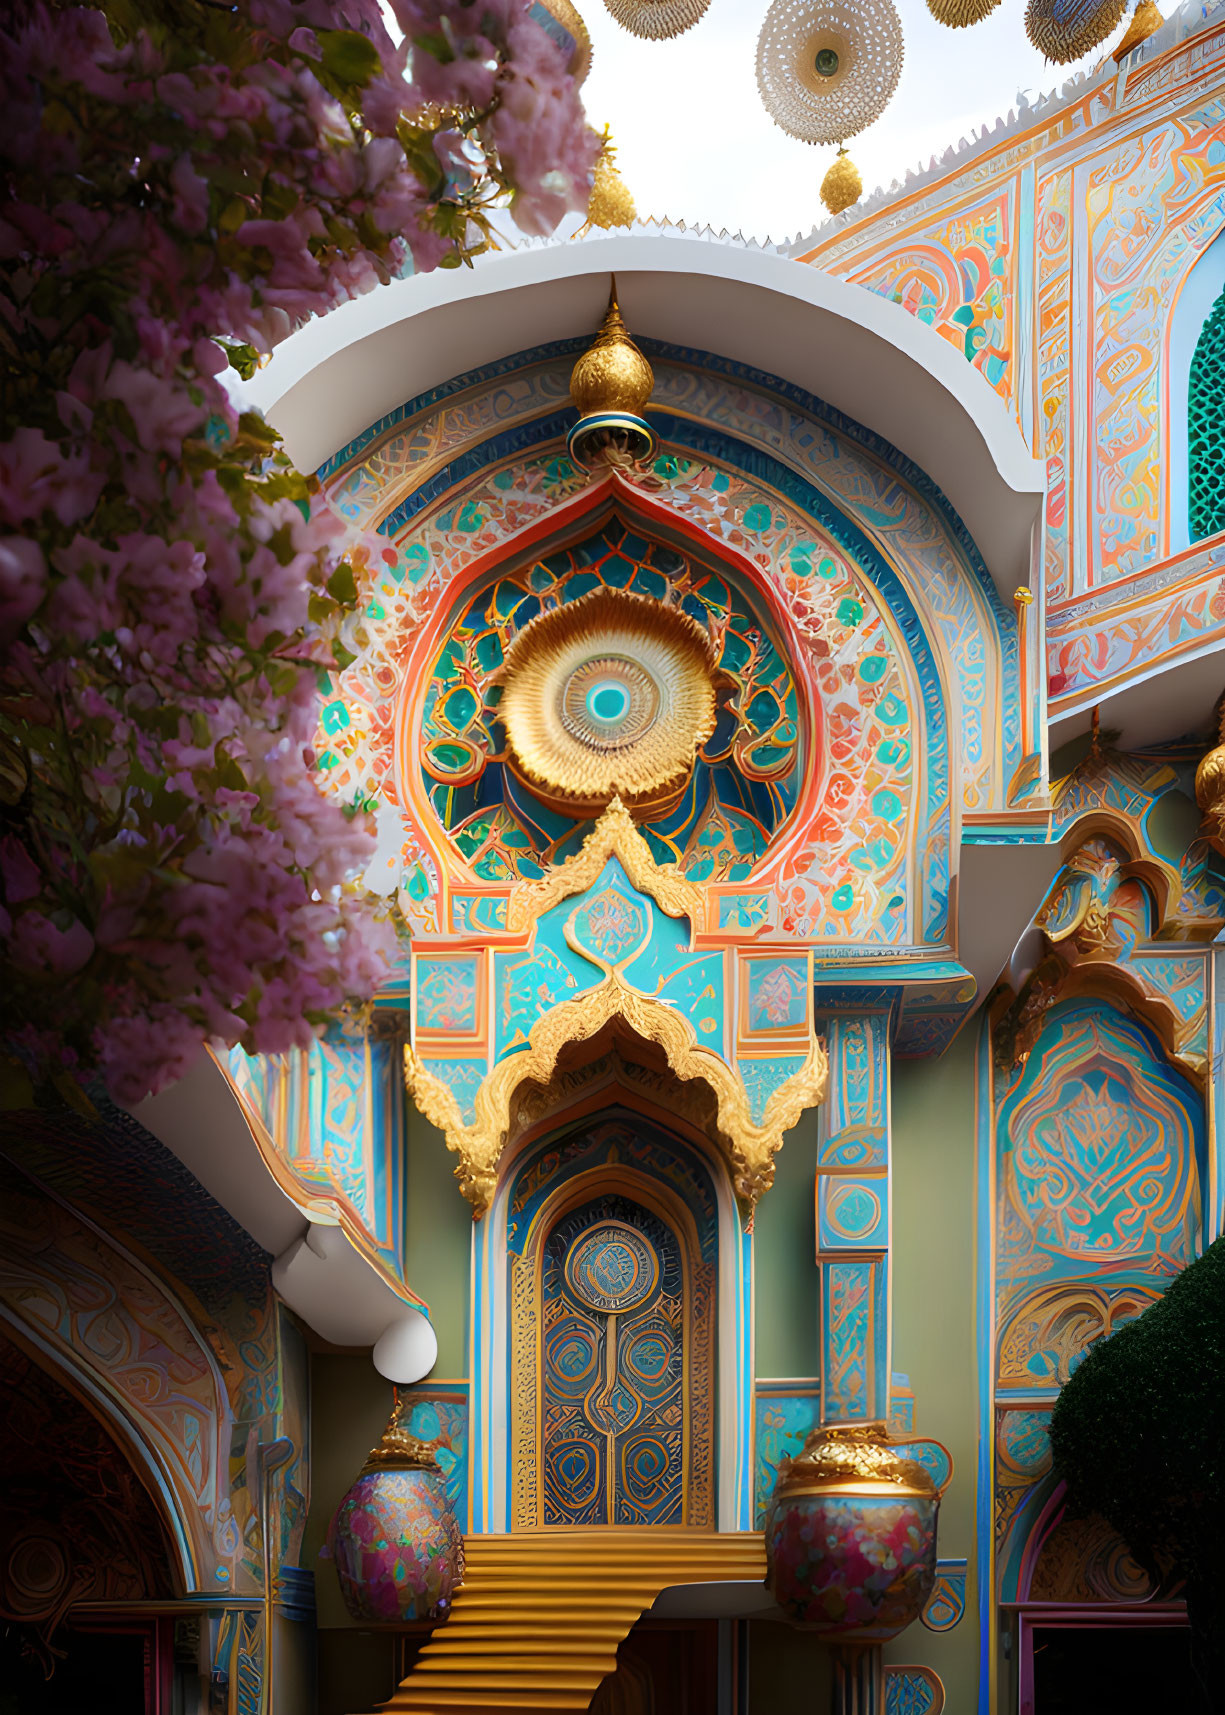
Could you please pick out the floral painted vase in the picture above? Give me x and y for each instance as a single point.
(851, 1536)
(397, 1546)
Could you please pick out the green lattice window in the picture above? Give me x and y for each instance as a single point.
(1206, 428)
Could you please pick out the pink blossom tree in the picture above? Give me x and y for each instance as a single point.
(187, 181)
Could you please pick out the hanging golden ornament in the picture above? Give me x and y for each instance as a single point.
(1066, 30)
(827, 68)
(609, 387)
(562, 23)
(1146, 20)
(1210, 787)
(611, 202)
(656, 20)
(958, 14)
(842, 185)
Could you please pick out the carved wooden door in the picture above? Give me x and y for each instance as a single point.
(613, 1366)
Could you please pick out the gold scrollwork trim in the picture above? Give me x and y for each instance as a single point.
(751, 1145)
(614, 835)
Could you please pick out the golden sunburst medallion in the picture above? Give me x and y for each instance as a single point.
(611, 695)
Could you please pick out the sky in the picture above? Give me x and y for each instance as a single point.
(695, 144)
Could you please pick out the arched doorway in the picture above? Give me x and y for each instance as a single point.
(614, 1409)
(613, 1265)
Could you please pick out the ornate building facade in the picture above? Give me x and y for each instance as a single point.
(780, 695)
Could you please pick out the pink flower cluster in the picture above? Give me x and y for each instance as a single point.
(172, 593)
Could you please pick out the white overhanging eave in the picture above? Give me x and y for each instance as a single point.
(857, 352)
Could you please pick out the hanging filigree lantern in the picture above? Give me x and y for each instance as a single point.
(842, 186)
(1066, 30)
(656, 20)
(826, 69)
(958, 14)
(561, 22)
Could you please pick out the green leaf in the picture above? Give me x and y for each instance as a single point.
(343, 657)
(348, 56)
(243, 358)
(342, 585)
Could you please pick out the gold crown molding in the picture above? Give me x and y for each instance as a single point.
(614, 835)
(751, 1145)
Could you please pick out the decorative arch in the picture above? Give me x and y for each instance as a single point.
(613, 1135)
(104, 1323)
(1192, 414)
(760, 471)
(1099, 1145)
(1206, 428)
(751, 1121)
(1051, 1558)
(607, 1192)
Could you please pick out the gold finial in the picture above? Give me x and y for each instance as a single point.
(842, 185)
(397, 1449)
(1095, 732)
(612, 374)
(611, 202)
(1210, 786)
(1146, 20)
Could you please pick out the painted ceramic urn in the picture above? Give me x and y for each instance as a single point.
(851, 1536)
(397, 1546)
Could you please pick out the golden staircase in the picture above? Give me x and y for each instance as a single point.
(537, 1620)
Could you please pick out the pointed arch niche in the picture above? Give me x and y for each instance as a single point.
(615, 1136)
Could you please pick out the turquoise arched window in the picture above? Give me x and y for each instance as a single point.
(1206, 428)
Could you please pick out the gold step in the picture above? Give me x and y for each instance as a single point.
(536, 1623)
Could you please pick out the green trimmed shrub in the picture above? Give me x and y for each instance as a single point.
(1138, 1435)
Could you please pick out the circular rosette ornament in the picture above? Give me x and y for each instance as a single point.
(826, 69)
(608, 696)
(851, 1536)
(1066, 30)
(959, 14)
(656, 20)
(397, 1546)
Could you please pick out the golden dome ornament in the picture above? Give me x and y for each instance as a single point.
(960, 14)
(608, 696)
(1146, 20)
(826, 69)
(656, 20)
(563, 24)
(611, 202)
(842, 186)
(1066, 30)
(610, 385)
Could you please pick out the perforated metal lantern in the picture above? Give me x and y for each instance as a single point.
(827, 69)
(656, 20)
(958, 14)
(1066, 30)
(563, 24)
